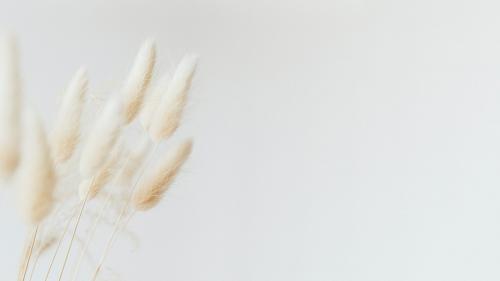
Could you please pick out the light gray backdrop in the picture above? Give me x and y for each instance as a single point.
(335, 140)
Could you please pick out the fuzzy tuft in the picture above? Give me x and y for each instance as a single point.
(66, 133)
(139, 78)
(151, 190)
(168, 114)
(101, 140)
(10, 106)
(37, 178)
(152, 101)
(93, 186)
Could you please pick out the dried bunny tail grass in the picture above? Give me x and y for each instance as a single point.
(135, 159)
(168, 114)
(93, 186)
(138, 80)
(66, 132)
(151, 190)
(101, 139)
(37, 177)
(152, 101)
(10, 106)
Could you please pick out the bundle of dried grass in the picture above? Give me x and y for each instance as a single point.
(103, 160)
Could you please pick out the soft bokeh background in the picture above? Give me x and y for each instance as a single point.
(335, 140)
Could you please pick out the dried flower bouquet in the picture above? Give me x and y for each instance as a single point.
(56, 175)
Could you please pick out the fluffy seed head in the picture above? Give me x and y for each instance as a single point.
(151, 190)
(10, 103)
(37, 178)
(152, 101)
(101, 140)
(138, 80)
(169, 112)
(98, 182)
(66, 134)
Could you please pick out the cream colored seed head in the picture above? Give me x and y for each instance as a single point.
(101, 140)
(66, 133)
(151, 190)
(37, 179)
(93, 186)
(168, 114)
(10, 106)
(136, 85)
(153, 99)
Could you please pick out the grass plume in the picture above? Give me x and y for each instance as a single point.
(138, 80)
(102, 139)
(66, 132)
(168, 114)
(152, 101)
(91, 187)
(152, 189)
(37, 177)
(10, 106)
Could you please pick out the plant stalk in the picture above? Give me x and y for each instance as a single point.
(32, 245)
(91, 236)
(75, 229)
(59, 243)
(116, 227)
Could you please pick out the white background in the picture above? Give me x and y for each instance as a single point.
(335, 140)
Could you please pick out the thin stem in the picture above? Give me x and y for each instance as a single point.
(120, 217)
(98, 219)
(46, 225)
(84, 203)
(23, 257)
(32, 245)
(42, 236)
(91, 236)
(35, 262)
(59, 243)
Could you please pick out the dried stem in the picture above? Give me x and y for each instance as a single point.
(116, 227)
(59, 243)
(75, 229)
(99, 218)
(32, 244)
(91, 236)
(35, 262)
